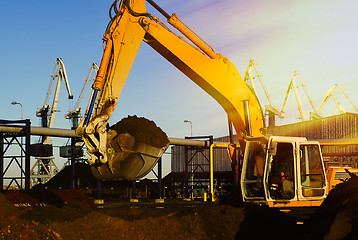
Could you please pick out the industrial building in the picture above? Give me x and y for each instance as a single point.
(191, 165)
(337, 127)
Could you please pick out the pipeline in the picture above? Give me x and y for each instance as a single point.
(58, 132)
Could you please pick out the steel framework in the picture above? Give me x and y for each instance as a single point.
(190, 153)
(10, 158)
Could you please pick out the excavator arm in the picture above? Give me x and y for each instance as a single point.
(122, 40)
(216, 76)
(212, 72)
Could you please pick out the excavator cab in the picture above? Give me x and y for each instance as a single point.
(253, 170)
(283, 170)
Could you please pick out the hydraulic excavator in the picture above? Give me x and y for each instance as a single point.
(277, 171)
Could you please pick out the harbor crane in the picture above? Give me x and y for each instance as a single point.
(330, 94)
(249, 80)
(292, 86)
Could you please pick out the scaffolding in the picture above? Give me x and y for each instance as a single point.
(192, 168)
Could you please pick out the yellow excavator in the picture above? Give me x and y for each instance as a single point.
(277, 171)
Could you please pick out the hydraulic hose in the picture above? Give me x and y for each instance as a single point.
(126, 3)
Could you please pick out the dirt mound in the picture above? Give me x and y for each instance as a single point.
(38, 198)
(17, 229)
(192, 222)
(7, 210)
(142, 130)
(45, 215)
(25, 223)
(98, 224)
(62, 180)
(337, 217)
(198, 223)
(208, 221)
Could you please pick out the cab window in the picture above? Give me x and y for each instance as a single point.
(312, 173)
(253, 185)
(281, 173)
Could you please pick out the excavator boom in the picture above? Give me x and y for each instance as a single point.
(212, 72)
(218, 77)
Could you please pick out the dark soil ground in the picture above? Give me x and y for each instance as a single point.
(78, 219)
(140, 221)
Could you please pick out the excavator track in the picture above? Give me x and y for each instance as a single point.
(134, 145)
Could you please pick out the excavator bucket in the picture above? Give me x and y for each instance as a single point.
(134, 145)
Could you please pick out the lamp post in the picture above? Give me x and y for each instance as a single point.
(191, 127)
(21, 154)
(192, 162)
(14, 103)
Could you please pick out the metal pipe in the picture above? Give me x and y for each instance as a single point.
(58, 132)
(212, 172)
(221, 145)
(54, 132)
(197, 143)
(159, 173)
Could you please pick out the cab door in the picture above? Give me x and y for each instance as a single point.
(311, 174)
(280, 175)
(252, 186)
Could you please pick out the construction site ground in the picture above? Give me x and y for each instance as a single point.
(176, 219)
(173, 219)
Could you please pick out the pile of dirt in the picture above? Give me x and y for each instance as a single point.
(75, 221)
(40, 197)
(62, 180)
(46, 215)
(337, 217)
(190, 222)
(7, 209)
(12, 226)
(18, 229)
(143, 130)
(97, 224)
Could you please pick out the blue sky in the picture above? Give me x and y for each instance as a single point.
(317, 38)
